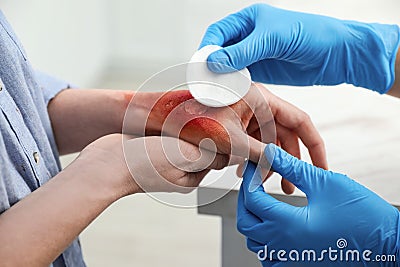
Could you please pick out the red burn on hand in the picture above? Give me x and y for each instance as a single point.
(213, 123)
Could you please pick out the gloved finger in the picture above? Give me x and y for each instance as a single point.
(236, 56)
(302, 174)
(257, 201)
(289, 142)
(245, 220)
(254, 246)
(259, 249)
(229, 29)
(266, 174)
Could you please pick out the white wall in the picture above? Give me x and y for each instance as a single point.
(164, 30)
(85, 40)
(91, 41)
(159, 33)
(67, 38)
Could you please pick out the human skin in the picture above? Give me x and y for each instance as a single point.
(395, 90)
(81, 116)
(225, 126)
(45, 222)
(235, 127)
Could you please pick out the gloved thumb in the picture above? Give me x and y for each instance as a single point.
(234, 57)
(303, 175)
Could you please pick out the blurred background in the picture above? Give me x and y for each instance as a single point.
(120, 43)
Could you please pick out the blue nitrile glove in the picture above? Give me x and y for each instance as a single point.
(292, 48)
(341, 217)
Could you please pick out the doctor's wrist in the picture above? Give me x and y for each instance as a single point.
(372, 57)
(395, 90)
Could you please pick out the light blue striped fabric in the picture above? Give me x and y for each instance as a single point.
(28, 153)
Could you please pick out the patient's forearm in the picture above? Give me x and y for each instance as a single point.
(395, 90)
(37, 229)
(80, 116)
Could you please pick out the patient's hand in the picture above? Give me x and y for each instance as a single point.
(183, 116)
(241, 129)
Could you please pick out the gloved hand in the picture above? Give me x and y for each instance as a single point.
(293, 48)
(341, 217)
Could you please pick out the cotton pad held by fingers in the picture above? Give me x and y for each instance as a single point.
(215, 89)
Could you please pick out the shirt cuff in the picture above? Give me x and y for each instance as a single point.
(50, 85)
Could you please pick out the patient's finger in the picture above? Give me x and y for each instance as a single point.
(300, 123)
(290, 142)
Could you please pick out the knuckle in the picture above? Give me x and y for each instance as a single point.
(318, 144)
(221, 161)
(305, 117)
(248, 244)
(302, 120)
(257, 5)
(214, 28)
(240, 225)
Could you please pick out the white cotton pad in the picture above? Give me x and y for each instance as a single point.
(215, 89)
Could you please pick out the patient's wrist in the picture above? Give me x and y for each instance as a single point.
(148, 111)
